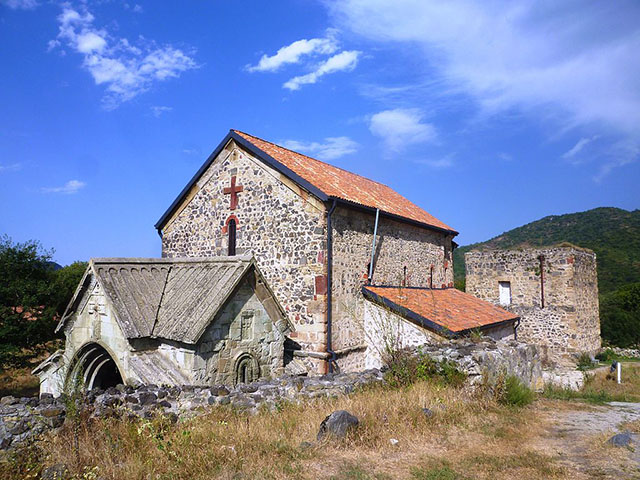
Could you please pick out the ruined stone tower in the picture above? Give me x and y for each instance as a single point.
(554, 290)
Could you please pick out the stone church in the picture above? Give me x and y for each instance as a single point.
(324, 262)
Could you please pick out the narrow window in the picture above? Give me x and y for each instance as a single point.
(505, 293)
(431, 277)
(404, 276)
(232, 237)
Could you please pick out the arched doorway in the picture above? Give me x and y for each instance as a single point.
(95, 368)
(247, 369)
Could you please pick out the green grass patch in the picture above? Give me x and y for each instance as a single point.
(442, 471)
(516, 393)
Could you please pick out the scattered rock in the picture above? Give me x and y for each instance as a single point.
(623, 439)
(147, 398)
(337, 424)
(59, 471)
(427, 412)
(394, 441)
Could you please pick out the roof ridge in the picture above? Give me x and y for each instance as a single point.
(170, 261)
(311, 158)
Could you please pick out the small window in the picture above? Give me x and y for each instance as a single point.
(505, 293)
(232, 237)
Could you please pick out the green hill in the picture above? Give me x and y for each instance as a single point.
(612, 233)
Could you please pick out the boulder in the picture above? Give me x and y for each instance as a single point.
(147, 398)
(427, 412)
(337, 425)
(623, 439)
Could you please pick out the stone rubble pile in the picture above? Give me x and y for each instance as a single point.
(23, 418)
(488, 359)
(627, 352)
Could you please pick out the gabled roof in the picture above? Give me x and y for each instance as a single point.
(447, 311)
(323, 180)
(173, 299)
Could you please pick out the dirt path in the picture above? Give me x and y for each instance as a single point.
(578, 434)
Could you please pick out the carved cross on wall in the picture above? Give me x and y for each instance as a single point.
(233, 190)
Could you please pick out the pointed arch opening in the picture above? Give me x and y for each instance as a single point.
(94, 367)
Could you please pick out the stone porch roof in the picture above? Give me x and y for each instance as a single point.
(168, 298)
(447, 311)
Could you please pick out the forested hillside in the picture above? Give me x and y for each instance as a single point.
(612, 233)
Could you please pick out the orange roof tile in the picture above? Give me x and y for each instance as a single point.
(339, 183)
(448, 308)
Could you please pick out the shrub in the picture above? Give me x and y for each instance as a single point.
(515, 392)
(607, 355)
(584, 361)
(405, 367)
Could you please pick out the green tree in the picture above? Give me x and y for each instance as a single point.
(32, 296)
(620, 316)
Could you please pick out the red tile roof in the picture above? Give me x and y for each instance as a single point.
(448, 308)
(339, 183)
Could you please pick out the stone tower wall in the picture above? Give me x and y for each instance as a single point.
(569, 320)
(398, 245)
(282, 225)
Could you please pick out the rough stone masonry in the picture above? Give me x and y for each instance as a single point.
(554, 291)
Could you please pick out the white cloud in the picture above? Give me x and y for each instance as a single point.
(11, 167)
(578, 147)
(71, 187)
(343, 61)
(618, 155)
(158, 110)
(575, 62)
(401, 127)
(191, 151)
(125, 70)
(439, 163)
(20, 4)
(294, 52)
(330, 149)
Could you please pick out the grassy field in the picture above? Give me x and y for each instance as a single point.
(467, 437)
(470, 436)
(601, 387)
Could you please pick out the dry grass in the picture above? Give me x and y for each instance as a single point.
(468, 437)
(628, 390)
(19, 382)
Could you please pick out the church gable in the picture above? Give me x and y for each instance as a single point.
(244, 341)
(234, 180)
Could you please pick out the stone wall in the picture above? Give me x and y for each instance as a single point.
(241, 332)
(398, 246)
(569, 320)
(283, 226)
(487, 360)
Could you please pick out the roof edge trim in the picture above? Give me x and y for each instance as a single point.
(409, 314)
(260, 154)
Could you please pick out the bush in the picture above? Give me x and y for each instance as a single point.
(515, 392)
(607, 355)
(404, 368)
(33, 295)
(585, 362)
(620, 316)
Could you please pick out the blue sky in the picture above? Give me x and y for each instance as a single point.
(488, 115)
